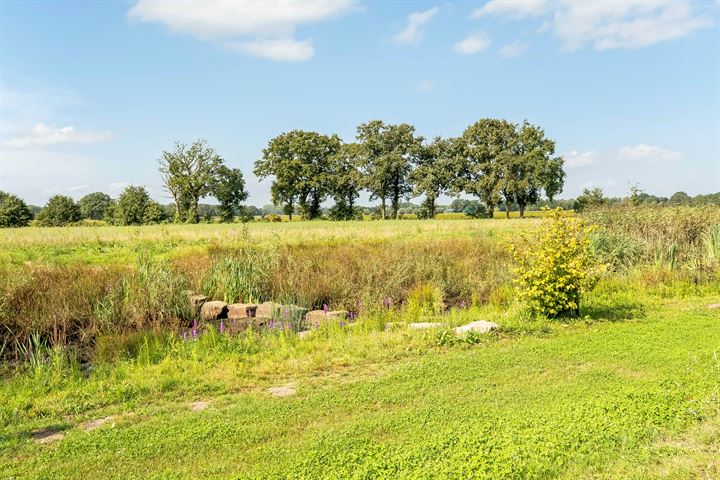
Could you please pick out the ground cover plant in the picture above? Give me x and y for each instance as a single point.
(101, 350)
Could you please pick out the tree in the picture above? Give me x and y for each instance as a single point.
(131, 207)
(299, 161)
(188, 173)
(486, 147)
(387, 155)
(13, 211)
(59, 211)
(345, 181)
(229, 190)
(95, 205)
(154, 213)
(590, 198)
(531, 169)
(435, 170)
(680, 198)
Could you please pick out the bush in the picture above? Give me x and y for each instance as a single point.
(13, 211)
(555, 265)
(59, 211)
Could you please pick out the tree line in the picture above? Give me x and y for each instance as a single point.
(497, 161)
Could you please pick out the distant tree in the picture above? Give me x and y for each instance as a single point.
(346, 181)
(154, 213)
(531, 169)
(388, 154)
(188, 173)
(59, 211)
(471, 208)
(94, 205)
(434, 172)
(131, 207)
(487, 146)
(591, 197)
(14, 212)
(299, 162)
(680, 198)
(229, 190)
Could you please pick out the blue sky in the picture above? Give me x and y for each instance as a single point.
(92, 93)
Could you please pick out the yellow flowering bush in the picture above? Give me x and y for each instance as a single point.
(554, 265)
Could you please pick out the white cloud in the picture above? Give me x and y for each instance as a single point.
(513, 49)
(474, 43)
(46, 135)
(425, 86)
(262, 28)
(414, 32)
(607, 24)
(649, 152)
(576, 159)
(77, 188)
(282, 49)
(511, 8)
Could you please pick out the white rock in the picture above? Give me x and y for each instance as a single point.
(481, 326)
(421, 325)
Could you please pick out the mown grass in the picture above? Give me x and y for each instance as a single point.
(601, 398)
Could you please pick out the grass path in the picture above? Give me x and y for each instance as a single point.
(635, 399)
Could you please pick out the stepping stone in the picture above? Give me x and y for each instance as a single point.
(481, 326)
(198, 406)
(238, 311)
(46, 435)
(214, 310)
(93, 424)
(714, 305)
(284, 391)
(422, 325)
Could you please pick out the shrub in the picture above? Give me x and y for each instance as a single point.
(555, 265)
(59, 211)
(13, 211)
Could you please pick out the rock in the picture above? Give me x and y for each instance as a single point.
(240, 310)
(481, 326)
(284, 391)
(214, 310)
(197, 301)
(714, 305)
(93, 424)
(46, 435)
(318, 316)
(197, 406)
(422, 325)
(304, 334)
(266, 309)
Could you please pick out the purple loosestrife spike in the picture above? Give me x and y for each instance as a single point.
(184, 336)
(222, 327)
(325, 308)
(194, 330)
(287, 312)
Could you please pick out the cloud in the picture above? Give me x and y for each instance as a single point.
(606, 25)
(46, 135)
(283, 49)
(414, 32)
(474, 43)
(264, 29)
(511, 8)
(576, 159)
(649, 153)
(77, 188)
(425, 86)
(513, 49)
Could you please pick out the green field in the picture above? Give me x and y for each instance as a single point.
(629, 390)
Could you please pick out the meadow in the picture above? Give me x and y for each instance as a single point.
(95, 354)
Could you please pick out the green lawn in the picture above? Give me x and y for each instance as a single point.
(633, 398)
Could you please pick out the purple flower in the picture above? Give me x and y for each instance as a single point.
(462, 304)
(222, 327)
(287, 312)
(184, 336)
(325, 308)
(342, 324)
(194, 330)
